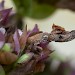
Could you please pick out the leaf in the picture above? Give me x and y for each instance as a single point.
(50, 2)
(31, 8)
(2, 72)
(6, 47)
(25, 58)
(41, 11)
(7, 58)
(23, 7)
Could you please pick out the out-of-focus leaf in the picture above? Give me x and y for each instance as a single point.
(2, 72)
(32, 9)
(40, 11)
(23, 6)
(7, 58)
(50, 2)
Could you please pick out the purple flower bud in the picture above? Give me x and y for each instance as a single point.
(2, 39)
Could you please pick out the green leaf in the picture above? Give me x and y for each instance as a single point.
(25, 57)
(40, 11)
(31, 8)
(23, 6)
(2, 72)
(6, 47)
